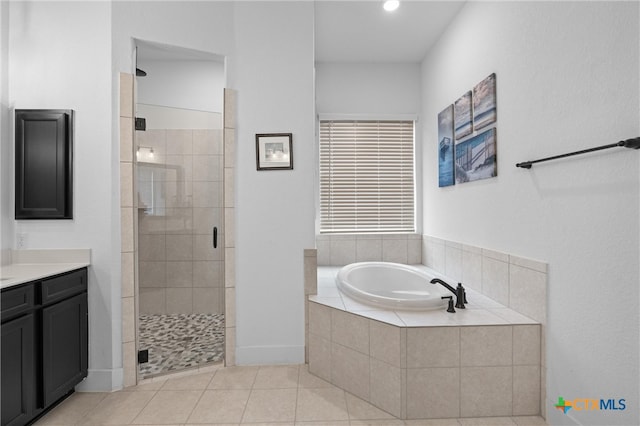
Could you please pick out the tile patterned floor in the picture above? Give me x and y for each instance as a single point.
(179, 341)
(276, 395)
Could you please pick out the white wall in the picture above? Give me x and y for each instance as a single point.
(567, 78)
(371, 88)
(60, 59)
(6, 216)
(196, 85)
(275, 209)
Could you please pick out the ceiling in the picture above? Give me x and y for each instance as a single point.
(362, 31)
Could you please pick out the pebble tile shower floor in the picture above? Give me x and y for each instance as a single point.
(179, 341)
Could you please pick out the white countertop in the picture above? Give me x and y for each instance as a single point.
(32, 265)
(480, 310)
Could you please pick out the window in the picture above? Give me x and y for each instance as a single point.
(367, 176)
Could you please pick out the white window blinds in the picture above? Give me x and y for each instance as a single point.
(367, 176)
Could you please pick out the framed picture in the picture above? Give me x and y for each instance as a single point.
(462, 111)
(274, 151)
(445, 147)
(476, 157)
(484, 103)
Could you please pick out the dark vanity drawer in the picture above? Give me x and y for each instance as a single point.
(64, 286)
(17, 301)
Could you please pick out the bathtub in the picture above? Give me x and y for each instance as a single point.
(392, 285)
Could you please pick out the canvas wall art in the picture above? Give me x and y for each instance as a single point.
(484, 103)
(463, 116)
(476, 157)
(445, 147)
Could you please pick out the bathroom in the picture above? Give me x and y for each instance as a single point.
(567, 80)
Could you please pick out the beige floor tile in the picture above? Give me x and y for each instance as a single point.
(234, 378)
(220, 406)
(118, 408)
(151, 385)
(387, 422)
(168, 407)
(321, 404)
(432, 422)
(486, 421)
(528, 420)
(362, 410)
(277, 377)
(321, 423)
(195, 382)
(271, 405)
(71, 410)
(311, 381)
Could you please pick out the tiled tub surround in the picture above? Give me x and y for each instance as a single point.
(482, 361)
(334, 250)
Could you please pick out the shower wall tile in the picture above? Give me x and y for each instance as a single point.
(207, 273)
(229, 148)
(207, 142)
(152, 247)
(127, 266)
(179, 221)
(230, 102)
(128, 320)
(203, 248)
(152, 300)
(179, 142)
(151, 224)
(206, 300)
(126, 139)
(126, 95)
(179, 247)
(126, 229)
(229, 267)
(230, 229)
(205, 218)
(229, 185)
(180, 273)
(179, 300)
(152, 273)
(230, 306)
(129, 362)
(126, 185)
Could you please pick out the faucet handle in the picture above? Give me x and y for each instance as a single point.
(450, 307)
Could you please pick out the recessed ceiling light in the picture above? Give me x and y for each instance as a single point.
(391, 5)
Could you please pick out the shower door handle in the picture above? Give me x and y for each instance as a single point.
(215, 237)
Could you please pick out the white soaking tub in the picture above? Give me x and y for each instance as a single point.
(393, 286)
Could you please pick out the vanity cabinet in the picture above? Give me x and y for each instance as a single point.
(44, 344)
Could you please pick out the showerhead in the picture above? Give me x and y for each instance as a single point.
(140, 73)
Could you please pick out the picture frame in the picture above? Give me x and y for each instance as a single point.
(274, 151)
(462, 116)
(445, 148)
(485, 111)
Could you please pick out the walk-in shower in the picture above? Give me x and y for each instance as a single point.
(179, 172)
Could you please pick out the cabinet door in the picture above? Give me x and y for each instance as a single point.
(18, 381)
(64, 346)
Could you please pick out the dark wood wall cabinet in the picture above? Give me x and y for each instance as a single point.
(44, 164)
(44, 344)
